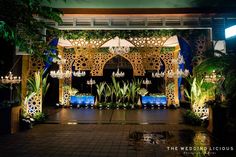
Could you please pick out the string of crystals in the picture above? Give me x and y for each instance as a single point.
(60, 74)
(119, 49)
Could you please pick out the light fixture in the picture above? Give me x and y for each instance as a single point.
(158, 74)
(79, 73)
(178, 73)
(147, 82)
(230, 32)
(119, 49)
(91, 82)
(10, 79)
(118, 73)
(213, 77)
(60, 74)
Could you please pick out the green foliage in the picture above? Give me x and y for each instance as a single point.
(109, 34)
(107, 92)
(34, 85)
(121, 91)
(191, 118)
(224, 65)
(39, 117)
(73, 91)
(100, 88)
(21, 24)
(199, 93)
(45, 85)
(143, 91)
(117, 91)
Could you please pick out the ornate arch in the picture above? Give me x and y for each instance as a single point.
(100, 59)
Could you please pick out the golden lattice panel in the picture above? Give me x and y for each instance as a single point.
(66, 97)
(83, 59)
(170, 96)
(36, 64)
(148, 41)
(81, 42)
(100, 60)
(34, 104)
(167, 59)
(135, 60)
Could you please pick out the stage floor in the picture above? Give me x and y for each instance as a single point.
(90, 116)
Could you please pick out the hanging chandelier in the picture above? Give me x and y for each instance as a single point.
(119, 49)
(178, 73)
(10, 79)
(60, 74)
(158, 74)
(173, 74)
(79, 73)
(118, 73)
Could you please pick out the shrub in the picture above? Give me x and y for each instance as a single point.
(39, 117)
(191, 118)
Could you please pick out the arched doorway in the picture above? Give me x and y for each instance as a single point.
(118, 62)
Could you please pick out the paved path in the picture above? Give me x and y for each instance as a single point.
(155, 116)
(96, 140)
(83, 138)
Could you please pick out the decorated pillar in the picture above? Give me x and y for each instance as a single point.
(175, 68)
(24, 77)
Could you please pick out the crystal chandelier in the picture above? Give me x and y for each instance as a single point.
(173, 74)
(178, 73)
(158, 74)
(119, 49)
(10, 79)
(79, 73)
(60, 74)
(118, 73)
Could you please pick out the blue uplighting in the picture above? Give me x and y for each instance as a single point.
(82, 100)
(154, 100)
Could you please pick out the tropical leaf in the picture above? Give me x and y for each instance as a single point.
(100, 88)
